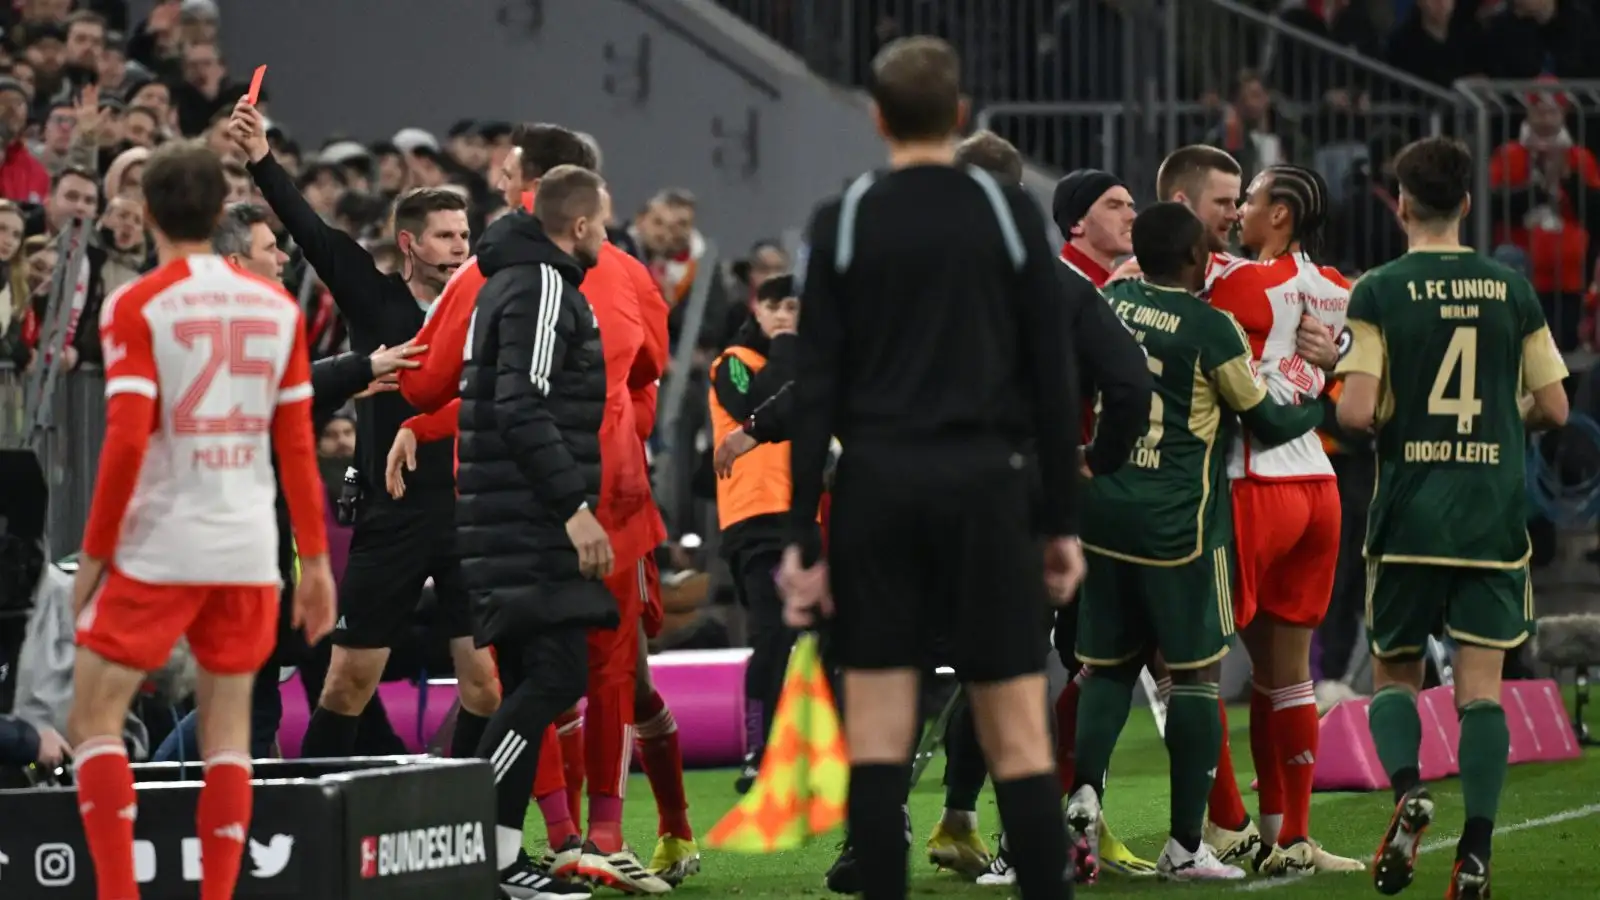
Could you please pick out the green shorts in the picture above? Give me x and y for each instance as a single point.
(1407, 603)
(1185, 611)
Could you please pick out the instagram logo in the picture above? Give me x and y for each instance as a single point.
(55, 865)
(369, 857)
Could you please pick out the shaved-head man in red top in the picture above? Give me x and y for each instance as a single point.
(622, 704)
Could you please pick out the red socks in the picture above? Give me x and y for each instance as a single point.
(551, 775)
(1226, 807)
(605, 823)
(108, 806)
(570, 727)
(1295, 736)
(550, 791)
(222, 818)
(1269, 777)
(1067, 732)
(663, 765)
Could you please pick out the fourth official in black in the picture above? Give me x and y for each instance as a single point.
(935, 346)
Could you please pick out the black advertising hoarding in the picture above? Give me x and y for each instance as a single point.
(429, 823)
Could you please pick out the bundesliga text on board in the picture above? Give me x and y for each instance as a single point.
(422, 850)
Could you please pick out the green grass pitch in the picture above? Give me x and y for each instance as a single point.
(1547, 846)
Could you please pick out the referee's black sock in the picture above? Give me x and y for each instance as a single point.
(877, 828)
(1036, 835)
(329, 735)
(468, 734)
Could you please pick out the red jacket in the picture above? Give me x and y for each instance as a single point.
(633, 334)
(1556, 258)
(23, 179)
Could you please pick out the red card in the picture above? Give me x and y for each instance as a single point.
(255, 85)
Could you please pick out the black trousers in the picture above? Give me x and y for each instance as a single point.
(541, 677)
(770, 639)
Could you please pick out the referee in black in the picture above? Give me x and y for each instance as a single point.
(935, 346)
(397, 544)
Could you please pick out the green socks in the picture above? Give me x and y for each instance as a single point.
(1397, 733)
(1102, 712)
(1485, 743)
(1194, 742)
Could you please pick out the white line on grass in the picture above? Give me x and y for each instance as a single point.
(1567, 815)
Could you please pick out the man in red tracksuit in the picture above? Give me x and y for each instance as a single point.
(632, 319)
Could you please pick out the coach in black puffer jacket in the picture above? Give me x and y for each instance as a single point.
(532, 396)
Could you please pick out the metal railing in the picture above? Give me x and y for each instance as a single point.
(1118, 85)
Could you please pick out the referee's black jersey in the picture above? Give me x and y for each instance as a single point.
(931, 308)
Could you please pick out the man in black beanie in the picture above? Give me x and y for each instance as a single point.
(1095, 213)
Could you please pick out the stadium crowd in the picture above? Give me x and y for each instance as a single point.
(87, 96)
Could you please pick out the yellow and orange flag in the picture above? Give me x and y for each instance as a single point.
(805, 772)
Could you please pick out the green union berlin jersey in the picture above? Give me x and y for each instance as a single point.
(1170, 503)
(1454, 340)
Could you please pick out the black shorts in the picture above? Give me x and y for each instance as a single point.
(396, 547)
(933, 549)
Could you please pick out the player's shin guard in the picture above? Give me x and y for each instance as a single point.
(1485, 744)
(550, 790)
(222, 818)
(1294, 740)
(1102, 713)
(663, 765)
(1397, 735)
(1194, 739)
(1067, 729)
(1036, 836)
(107, 803)
(569, 728)
(1269, 775)
(1225, 806)
(877, 828)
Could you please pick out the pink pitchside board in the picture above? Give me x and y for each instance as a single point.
(1535, 715)
(703, 688)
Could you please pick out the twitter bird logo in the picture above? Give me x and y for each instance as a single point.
(272, 857)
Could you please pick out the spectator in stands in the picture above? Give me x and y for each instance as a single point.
(766, 259)
(1440, 41)
(113, 64)
(322, 185)
(1250, 129)
(123, 177)
(393, 179)
(1545, 196)
(122, 236)
(156, 97)
(74, 194)
(46, 52)
(21, 744)
(1348, 23)
(13, 286)
(1544, 37)
(22, 177)
(85, 44)
(205, 90)
(664, 230)
(141, 127)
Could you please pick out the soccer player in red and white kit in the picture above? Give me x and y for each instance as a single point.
(207, 374)
(1286, 507)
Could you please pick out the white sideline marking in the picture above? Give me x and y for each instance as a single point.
(1567, 815)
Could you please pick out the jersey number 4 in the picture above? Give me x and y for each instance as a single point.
(228, 351)
(1462, 355)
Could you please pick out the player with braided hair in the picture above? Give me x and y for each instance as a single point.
(1286, 504)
